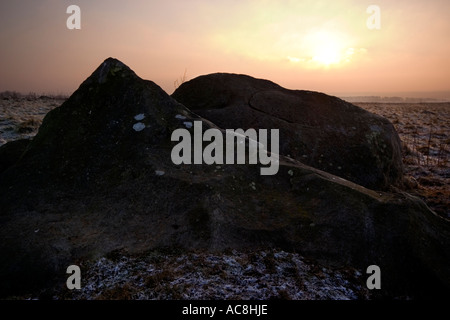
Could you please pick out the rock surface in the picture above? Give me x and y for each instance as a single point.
(10, 153)
(319, 130)
(92, 181)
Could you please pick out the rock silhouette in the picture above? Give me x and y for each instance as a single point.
(319, 130)
(98, 177)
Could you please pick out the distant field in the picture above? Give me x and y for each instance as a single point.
(21, 115)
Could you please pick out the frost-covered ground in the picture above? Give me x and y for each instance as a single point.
(235, 275)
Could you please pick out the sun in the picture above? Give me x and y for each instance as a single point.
(326, 54)
(321, 49)
(327, 48)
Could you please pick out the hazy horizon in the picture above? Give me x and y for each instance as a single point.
(322, 46)
(440, 96)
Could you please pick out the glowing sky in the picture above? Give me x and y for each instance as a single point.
(315, 45)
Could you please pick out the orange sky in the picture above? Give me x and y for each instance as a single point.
(315, 45)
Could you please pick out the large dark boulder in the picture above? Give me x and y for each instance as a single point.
(98, 177)
(317, 129)
(11, 152)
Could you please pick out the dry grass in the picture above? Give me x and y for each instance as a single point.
(424, 129)
(179, 82)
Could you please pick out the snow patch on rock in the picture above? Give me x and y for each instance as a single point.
(138, 126)
(139, 117)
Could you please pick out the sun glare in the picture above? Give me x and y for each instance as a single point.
(321, 49)
(327, 49)
(327, 54)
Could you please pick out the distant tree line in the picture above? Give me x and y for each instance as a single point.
(391, 99)
(14, 95)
